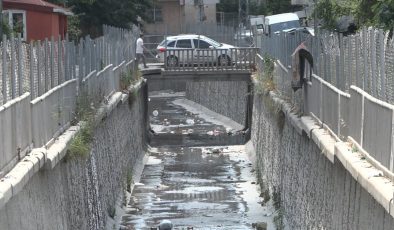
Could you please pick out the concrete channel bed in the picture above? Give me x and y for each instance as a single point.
(195, 187)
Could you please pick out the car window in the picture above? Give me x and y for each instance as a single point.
(201, 44)
(185, 43)
(213, 42)
(171, 44)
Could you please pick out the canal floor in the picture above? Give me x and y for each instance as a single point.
(195, 187)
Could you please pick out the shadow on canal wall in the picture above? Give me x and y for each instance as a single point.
(310, 192)
(228, 98)
(81, 192)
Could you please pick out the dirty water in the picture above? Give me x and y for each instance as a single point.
(172, 124)
(195, 187)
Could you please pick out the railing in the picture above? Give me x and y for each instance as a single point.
(209, 59)
(40, 83)
(357, 115)
(364, 59)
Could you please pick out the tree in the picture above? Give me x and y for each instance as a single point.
(383, 11)
(92, 14)
(379, 13)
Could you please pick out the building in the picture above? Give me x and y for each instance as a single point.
(36, 19)
(180, 16)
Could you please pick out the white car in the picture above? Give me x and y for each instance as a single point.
(190, 49)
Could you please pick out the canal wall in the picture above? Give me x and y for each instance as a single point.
(80, 192)
(312, 178)
(228, 98)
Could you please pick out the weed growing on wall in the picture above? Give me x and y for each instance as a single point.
(127, 78)
(265, 79)
(80, 146)
(279, 214)
(129, 179)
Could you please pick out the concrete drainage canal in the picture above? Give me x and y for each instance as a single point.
(198, 174)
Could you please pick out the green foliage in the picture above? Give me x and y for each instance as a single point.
(6, 29)
(128, 78)
(278, 218)
(383, 11)
(229, 6)
(80, 146)
(278, 6)
(266, 79)
(73, 28)
(257, 8)
(378, 13)
(129, 179)
(120, 13)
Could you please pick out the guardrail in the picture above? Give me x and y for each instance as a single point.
(209, 59)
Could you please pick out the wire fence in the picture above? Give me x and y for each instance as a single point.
(40, 66)
(40, 83)
(351, 91)
(365, 59)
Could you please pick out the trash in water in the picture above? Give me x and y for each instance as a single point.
(190, 121)
(190, 131)
(155, 113)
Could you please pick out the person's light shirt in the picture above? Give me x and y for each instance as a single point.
(140, 45)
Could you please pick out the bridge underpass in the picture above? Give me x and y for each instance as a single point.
(198, 174)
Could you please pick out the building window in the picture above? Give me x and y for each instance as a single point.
(156, 14)
(16, 19)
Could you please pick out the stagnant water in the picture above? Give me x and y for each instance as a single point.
(195, 187)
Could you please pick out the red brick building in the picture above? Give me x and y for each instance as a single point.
(36, 19)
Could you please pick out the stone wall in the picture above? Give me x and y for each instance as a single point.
(80, 193)
(228, 98)
(313, 192)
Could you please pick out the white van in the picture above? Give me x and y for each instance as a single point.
(281, 22)
(257, 24)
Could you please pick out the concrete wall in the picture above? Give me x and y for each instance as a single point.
(313, 192)
(80, 193)
(228, 98)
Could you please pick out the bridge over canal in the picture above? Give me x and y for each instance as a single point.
(287, 136)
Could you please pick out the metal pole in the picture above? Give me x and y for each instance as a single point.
(1, 18)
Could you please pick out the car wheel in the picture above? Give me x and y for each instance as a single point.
(224, 60)
(172, 61)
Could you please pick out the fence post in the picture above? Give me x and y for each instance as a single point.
(4, 69)
(357, 57)
(13, 59)
(364, 45)
(52, 62)
(60, 74)
(32, 90)
(373, 62)
(382, 65)
(20, 62)
(38, 51)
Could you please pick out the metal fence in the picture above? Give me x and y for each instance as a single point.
(210, 59)
(365, 59)
(351, 92)
(41, 81)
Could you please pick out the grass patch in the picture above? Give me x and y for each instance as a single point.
(129, 179)
(266, 78)
(81, 144)
(128, 78)
(279, 214)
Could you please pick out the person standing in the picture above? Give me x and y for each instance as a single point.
(140, 50)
